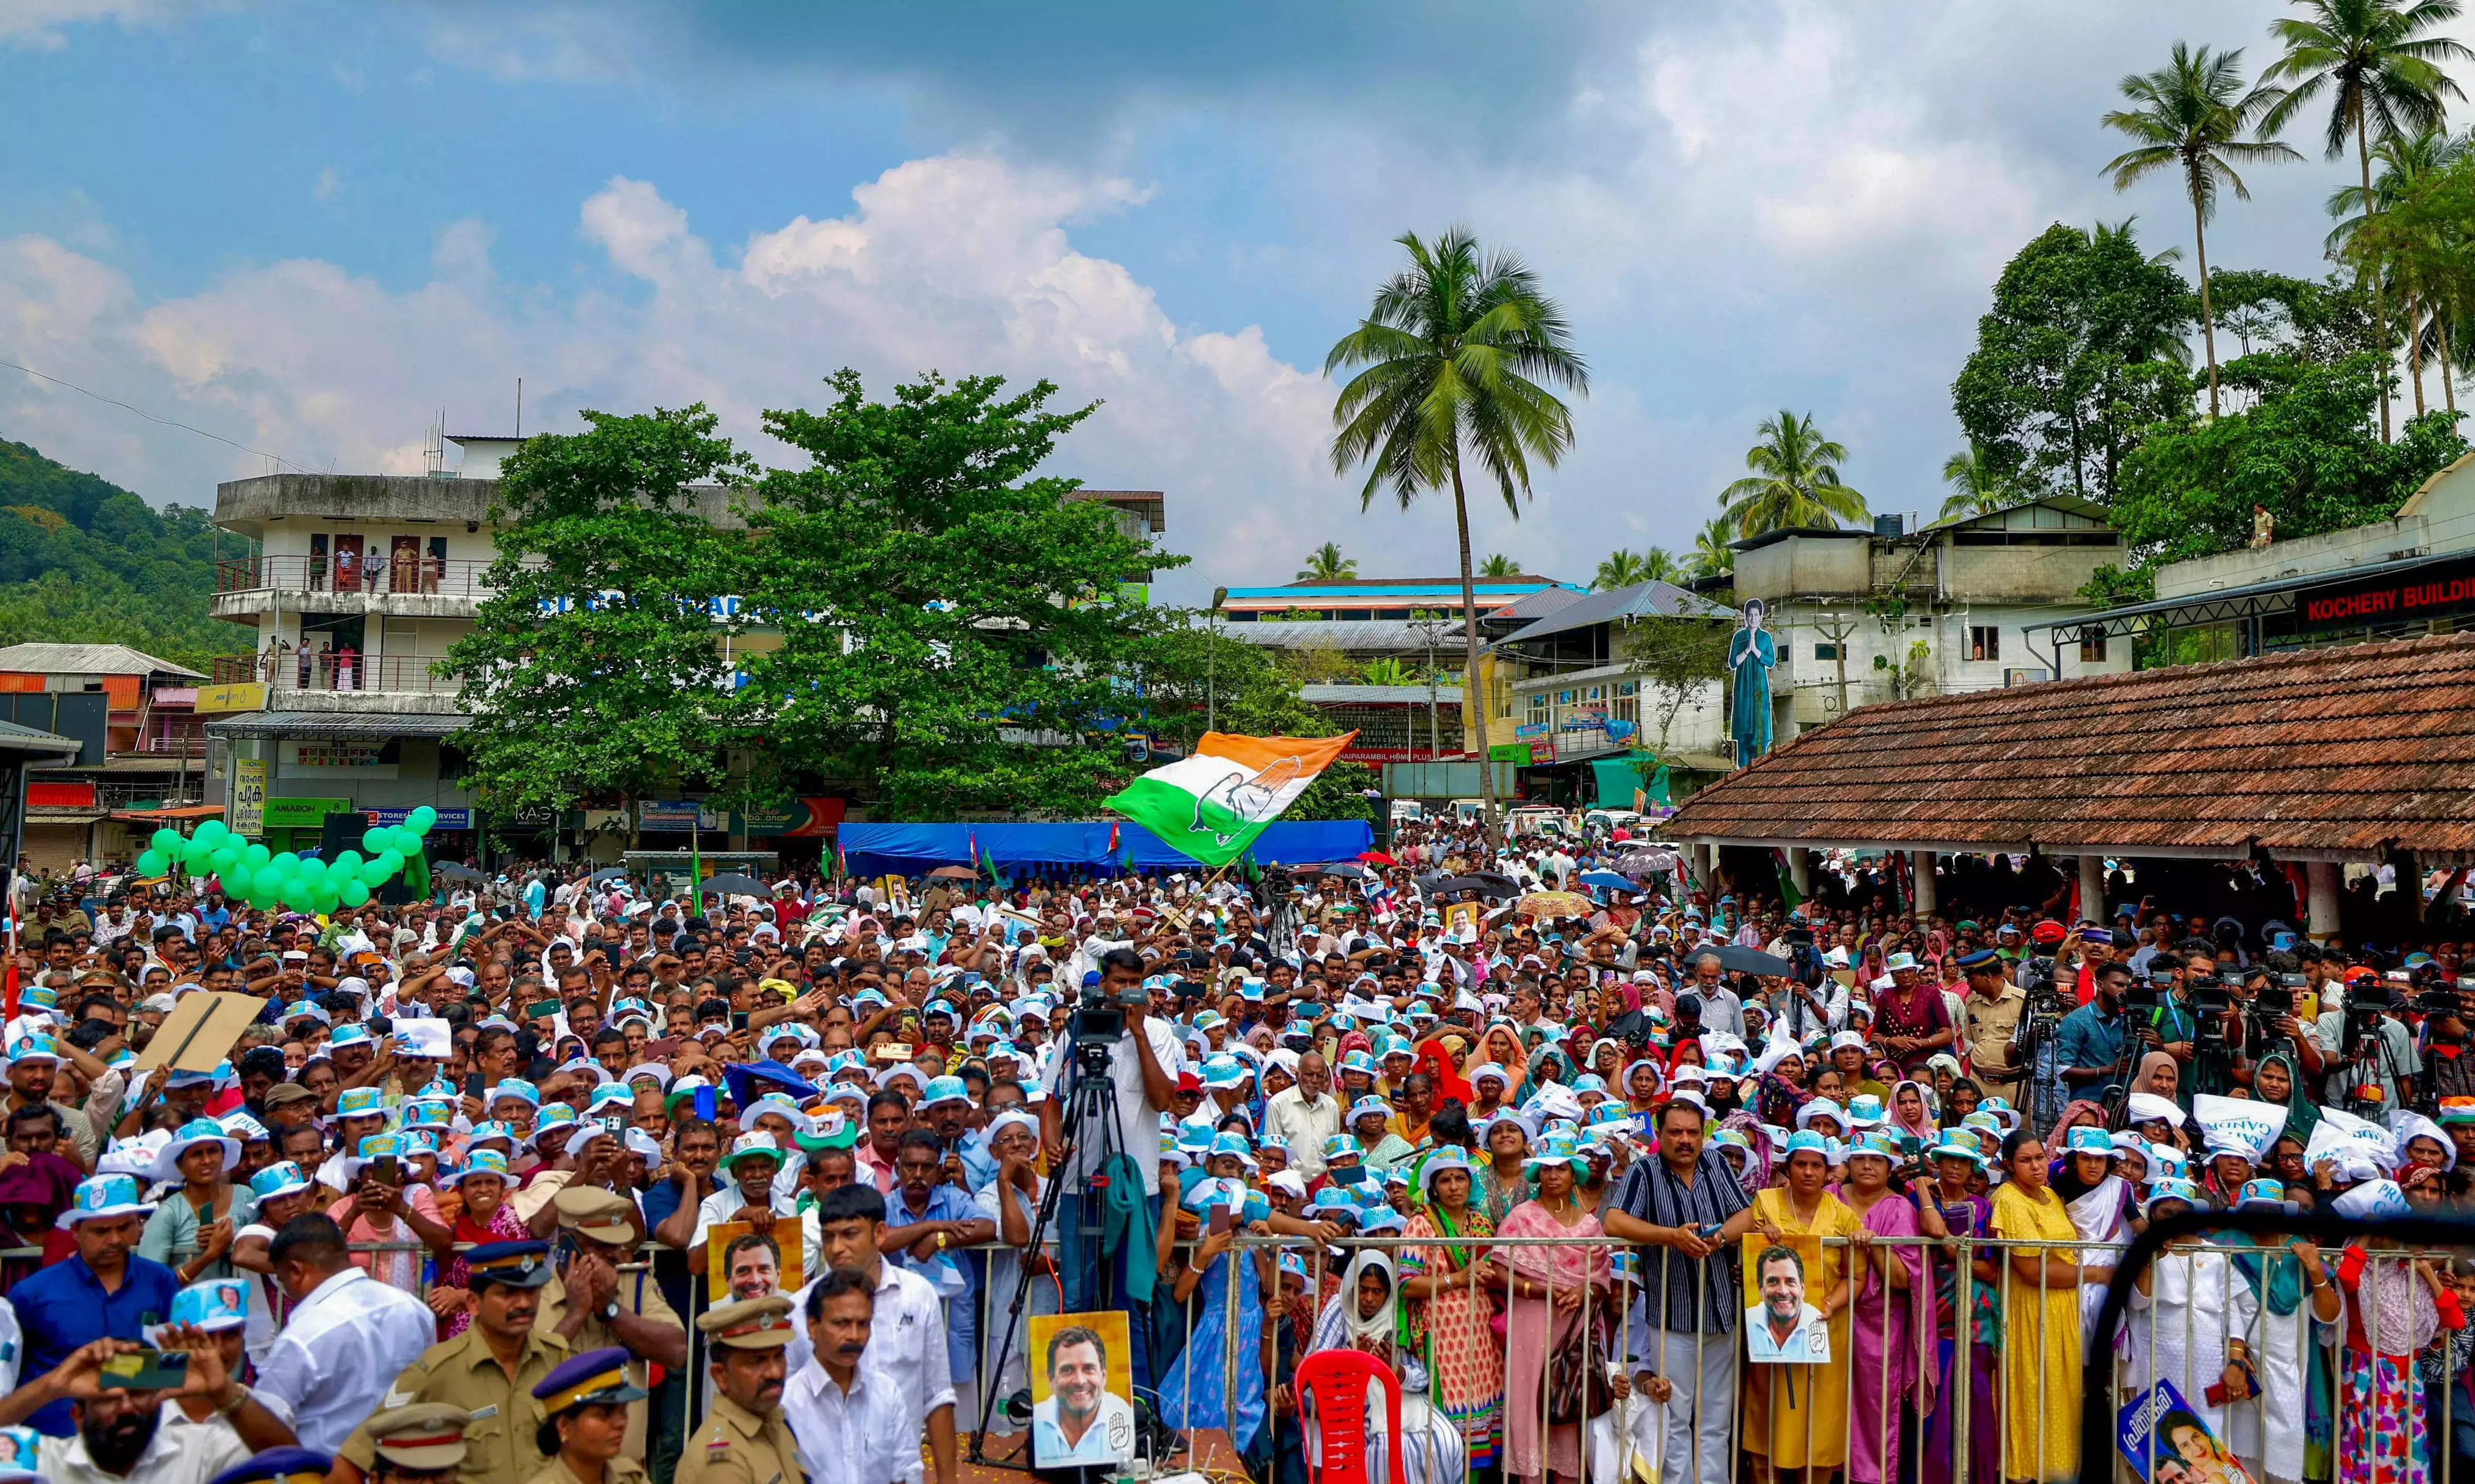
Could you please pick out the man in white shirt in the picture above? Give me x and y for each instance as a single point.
(848, 1417)
(346, 1340)
(907, 1331)
(1303, 1116)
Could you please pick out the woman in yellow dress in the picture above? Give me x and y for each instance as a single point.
(1795, 1415)
(2041, 1328)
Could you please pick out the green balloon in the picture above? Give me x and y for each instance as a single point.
(390, 862)
(407, 841)
(167, 840)
(313, 871)
(375, 838)
(262, 894)
(324, 897)
(422, 819)
(256, 856)
(374, 871)
(348, 863)
(353, 892)
(285, 864)
(222, 858)
(214, 831)
(151, 862)
(236, 879)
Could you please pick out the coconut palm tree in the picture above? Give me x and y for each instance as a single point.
(1659, 564)
(1621, 568)
(1499, 565)
(1710, 556)
(1794, 480)
(2191, 115)
(2418, 265)
(1326, 564)
(2381, 69)
(1459, 351)
(1976, 486)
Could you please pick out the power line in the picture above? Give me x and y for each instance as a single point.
(152, 418)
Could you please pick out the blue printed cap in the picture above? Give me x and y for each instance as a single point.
(1229, 1142)
(2261, 1194)
(282, 1178)
(34, 1048)
(1359, 1061)
(354, 1034)
(38, 997)
(478, 1162)
(2086, 1140)
(2172, 1189)
(1878, 1145)
(1376, 1220)
(217, 1304)
(1225, 1070)
(1804, 1140)
(20, 1455)
(944, 1089)
(359, 1102)
(1448, 1158)
(492, 1129)
(515, 1087)
(1340, 1146)
(102, 1198)
(1369, 1107)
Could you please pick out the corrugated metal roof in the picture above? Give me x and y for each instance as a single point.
(1351, 635)
(380, 724)
(1642, 600)
(41, 659)
(32, 740)
(1377, 695)
(2350, 750)
(1538, 605)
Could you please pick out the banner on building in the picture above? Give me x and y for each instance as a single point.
(246, 812)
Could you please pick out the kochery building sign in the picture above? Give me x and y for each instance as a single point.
(2427, 591)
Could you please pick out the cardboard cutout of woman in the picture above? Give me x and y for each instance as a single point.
(1751, 654)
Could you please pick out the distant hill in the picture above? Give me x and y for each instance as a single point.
(83, 561)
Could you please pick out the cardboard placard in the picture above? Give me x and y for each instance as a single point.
(785, 1278)
(200, 1030)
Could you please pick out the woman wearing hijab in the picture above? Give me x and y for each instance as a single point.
(1912, 1113)
(1365, 1316)
(2278, 1078)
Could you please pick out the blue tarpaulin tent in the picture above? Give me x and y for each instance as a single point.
(915, 849)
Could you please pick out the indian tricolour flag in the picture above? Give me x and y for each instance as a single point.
(1212, 804)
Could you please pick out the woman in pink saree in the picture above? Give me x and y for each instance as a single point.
(1893, 1319)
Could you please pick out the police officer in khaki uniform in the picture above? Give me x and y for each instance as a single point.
(584, 1419)
(746, 1440)
(593, 1306)
(489, 1370)
(421, 1444)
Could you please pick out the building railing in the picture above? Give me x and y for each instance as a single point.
(335, 671)
(377, 573)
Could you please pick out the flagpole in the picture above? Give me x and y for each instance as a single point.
(1209, 882)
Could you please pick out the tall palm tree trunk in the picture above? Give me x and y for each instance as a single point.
(1474, 718)
(2208, 320)
(2415, 350)
(2448, 387)
(2380, 310)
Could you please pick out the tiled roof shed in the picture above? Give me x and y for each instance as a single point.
(2329, 753)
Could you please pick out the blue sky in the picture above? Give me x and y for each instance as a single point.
(307, 226)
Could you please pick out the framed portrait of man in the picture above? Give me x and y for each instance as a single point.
(1082, 1390)
(1781, 1327)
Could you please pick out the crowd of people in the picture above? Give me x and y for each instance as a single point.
(572, 1178)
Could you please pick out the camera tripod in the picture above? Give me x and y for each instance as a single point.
(1091, 1099)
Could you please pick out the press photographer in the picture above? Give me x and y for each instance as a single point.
(2369, 1052)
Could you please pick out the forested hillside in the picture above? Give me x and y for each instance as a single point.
(83, 561)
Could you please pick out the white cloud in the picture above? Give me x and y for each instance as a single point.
(959, 263)
(330, 182)
(42, 23)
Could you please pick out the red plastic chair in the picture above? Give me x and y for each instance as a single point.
(1336, 1381)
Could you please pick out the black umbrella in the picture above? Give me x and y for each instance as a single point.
(1738, 959)
(731, 883)
(456, 870)
(1337, 868)
(1647, 862)
(1483, 883)
(610, 874)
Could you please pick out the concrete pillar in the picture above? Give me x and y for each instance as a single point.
(2322, 879)
(1921, 869)
(1799, 870)
(2093, 887)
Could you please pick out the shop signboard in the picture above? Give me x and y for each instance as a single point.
(247, 811)
(283, 813)
(448, 818)
(2433, 590)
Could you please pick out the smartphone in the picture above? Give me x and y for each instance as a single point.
(1708, 1231)
(706, 1103)
(541, 1009)
(147, 1370)
(614, 1125)
(739, 1020)
(386, 1170)
(1222, 1219)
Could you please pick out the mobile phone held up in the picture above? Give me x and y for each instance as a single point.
(147, 1370)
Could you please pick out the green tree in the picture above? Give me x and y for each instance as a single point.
(1677, 660)
(2191, 116)
(1326, 564)
(1388, 671)
(2307, 452)
(2380, 67)
(2409, 240)
(1620, 568)
(2078, 358)
(952, 635)
(595, 667)
(1794, 480)
(1710, 556)
(1976, 487)
(1498, 565)
(83, 561)
(1460, 352)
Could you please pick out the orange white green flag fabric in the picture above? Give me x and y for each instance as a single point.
(1211, 805)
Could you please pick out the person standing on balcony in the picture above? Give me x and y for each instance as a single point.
(344, 658)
